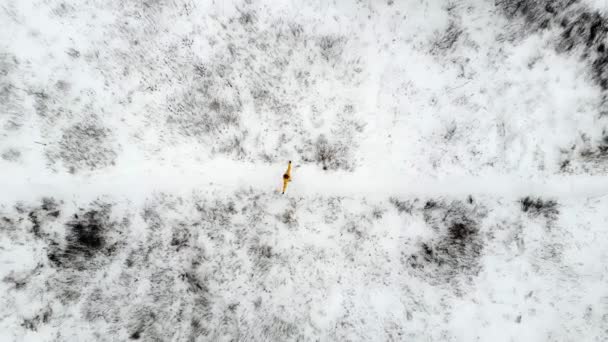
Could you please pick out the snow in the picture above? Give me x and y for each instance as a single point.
(600, 5)
(449, 179)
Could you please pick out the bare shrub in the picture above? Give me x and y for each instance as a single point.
(458, 250)
(85, 146)
(86, 237)
(331, 155)
(539, 207)
(11, 155)
(447, 39)
(331, 47)
(196, 116)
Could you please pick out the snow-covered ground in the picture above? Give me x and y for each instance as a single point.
(449, 183)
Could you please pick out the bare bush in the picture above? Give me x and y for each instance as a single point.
(11, 155)
(459, 247)
(331, 47)
(197, 117)
(85, 146)
(446, 40)
(86, 237)
(331, 155)
(539, 207)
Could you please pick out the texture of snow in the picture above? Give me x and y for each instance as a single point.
(449, 181)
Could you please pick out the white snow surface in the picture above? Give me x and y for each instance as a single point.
(449, 179)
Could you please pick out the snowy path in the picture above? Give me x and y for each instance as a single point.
(140, 181)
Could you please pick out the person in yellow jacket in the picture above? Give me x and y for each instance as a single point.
(287, 177)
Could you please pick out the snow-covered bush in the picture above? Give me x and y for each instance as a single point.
(84, 146)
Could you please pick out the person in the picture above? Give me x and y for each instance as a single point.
(287, 177)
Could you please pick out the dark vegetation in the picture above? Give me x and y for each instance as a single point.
(458, 248)
(34, 322)
(537, 14)
(11, 155)
(289, 218)
(49, 103)
(189, 288)
(85, 146)
(583, 32)
(200, 115)
(580, 29)
(20, 280)
(217, 213)
(86, 237)
(41, 102)
(598, 152)
(181, 236)
(402, 206)
(204, 264)
(86, 233)
(535, 207)
(48, 209)
(251, 62)
(331, 47)
(330, 155)
(201, 111)
(262, 256)
(12, 112)
(194, 284)
(447, 39)
(588, 32)
(35, 223)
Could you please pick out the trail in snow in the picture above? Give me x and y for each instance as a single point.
(139, 182)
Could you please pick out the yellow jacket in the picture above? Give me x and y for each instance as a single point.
(287, 177)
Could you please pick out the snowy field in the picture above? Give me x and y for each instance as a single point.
(450, 177)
